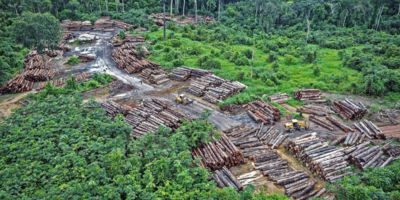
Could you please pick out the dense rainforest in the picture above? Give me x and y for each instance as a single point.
(60, 147)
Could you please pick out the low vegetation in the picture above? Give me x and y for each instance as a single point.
(73, 60)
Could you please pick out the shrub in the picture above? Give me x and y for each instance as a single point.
(248, 53)
(316, 70)
(177, 63)
(73, 60)
(208, 63)
(122, 35)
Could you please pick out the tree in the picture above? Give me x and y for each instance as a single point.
(36, 30)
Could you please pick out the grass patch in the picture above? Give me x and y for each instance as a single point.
(267, 73)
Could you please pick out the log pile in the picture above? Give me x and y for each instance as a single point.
(102, 24)
(314, 110)
(391, 131)
(297, 184)
(184, 73)
(369, 129)
(339, 124)
(127, 59)
(218, 154)
(247, 137)
(35, 70)
(310, 95)
(393, 151)
(150, 115)
(146, 117)
(263, 112)
(225, 178)
(349, 109)
(351, 139)
(326, 161)
(321, 122)
(365, 156)
(213, 88)
(279, 98)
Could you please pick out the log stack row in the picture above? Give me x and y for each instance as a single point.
(147, 117)
(225, 178)
(214, 89)
(184, 73)
(297, 184)
(344, 127)
(321, 122)
(218, 154)
(369, 129)
(393, 151)
(366, 156)
(129, 60)
(263, 112)
(353, 138)
(102, 24)
(314, 110)
(326, 161)
(150, 115)
(271, 136)
(279, 98)
(309, 95)
(348, 109)
(35, 70)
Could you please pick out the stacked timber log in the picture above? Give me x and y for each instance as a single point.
(349, 109)
(128, 59)
(217, 154)
(150, 115)
(314, 110)
(147, 117)
(225, 178)
(326, 161)
(36, 70)
(248, 136)
(213, 88)
(369, 129)
(297, 184)
(366, 156)
(279, 98)
(339, 124)
(393, 151)
(321, 122)
(310, 95)
(263, 112)
(351, 139)
(102, 24)
(184, 73)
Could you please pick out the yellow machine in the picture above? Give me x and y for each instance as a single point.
(182, 99)
(297, 125)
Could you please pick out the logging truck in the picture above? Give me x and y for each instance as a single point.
(297, 125)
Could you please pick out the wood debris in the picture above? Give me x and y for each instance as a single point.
(366, 156)
(393, 151)
(279, 98)
(369, 129)
(215, 155)
(327, 161)
(213, 88)
(253, 177)
(263, 112)
(349, 109)
(310, 95)
(225, 178)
